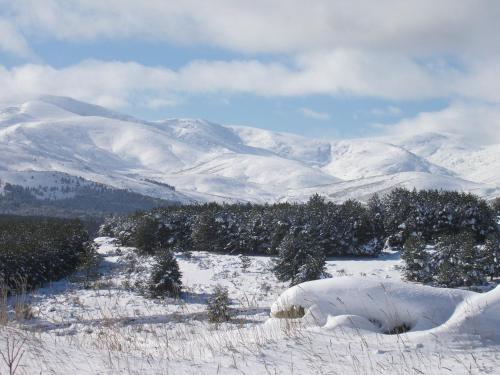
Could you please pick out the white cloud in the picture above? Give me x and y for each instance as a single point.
(114, 83)
(387, 49)
(342, 72)
(158, 102)
(281, 26)
(476, 122)
(307, 112)
(118, 85)
(111, 84)
(12, 41)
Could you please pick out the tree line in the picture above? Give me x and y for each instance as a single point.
(302, 235)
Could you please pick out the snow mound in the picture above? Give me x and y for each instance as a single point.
(478, 315)
(350, 321)
(370, 304)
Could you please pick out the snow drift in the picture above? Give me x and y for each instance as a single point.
(391, 307)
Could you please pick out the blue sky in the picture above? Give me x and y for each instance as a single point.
(338, 115)
(332, 69)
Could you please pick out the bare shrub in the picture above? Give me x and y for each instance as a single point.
(294, 312)
(13, 353)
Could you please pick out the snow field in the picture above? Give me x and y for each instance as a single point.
(109, 328)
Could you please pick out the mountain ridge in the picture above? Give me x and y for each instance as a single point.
(206, 161)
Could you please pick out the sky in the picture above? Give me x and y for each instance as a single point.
(324, 69)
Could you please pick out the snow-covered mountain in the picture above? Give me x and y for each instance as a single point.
(206, 161)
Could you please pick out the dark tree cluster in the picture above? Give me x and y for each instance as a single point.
(34, 251)
(449, 239)
(432, 214)
(453, 260)
(302, 236)
(349, 228)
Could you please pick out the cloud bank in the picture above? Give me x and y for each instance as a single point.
(389, 49)
(347, 73)
(279, 26)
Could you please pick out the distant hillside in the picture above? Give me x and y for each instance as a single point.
(46, 141)
(83, 200)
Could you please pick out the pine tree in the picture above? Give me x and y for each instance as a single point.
(218, 306)
(205, 230)
(146, 235)
(245, 261)
(377, 213)
(417, 260)
(447, 271)
(299, 259)
(495, 205)
(472, 268)
(165, 278)
(491, 255)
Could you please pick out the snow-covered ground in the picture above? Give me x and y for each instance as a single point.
(109, 328)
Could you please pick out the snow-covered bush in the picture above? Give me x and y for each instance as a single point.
(165, 278)
(218, 306)
(455, 260)
(433, 213)
(245, 262)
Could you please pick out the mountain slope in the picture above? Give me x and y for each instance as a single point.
(206, 161)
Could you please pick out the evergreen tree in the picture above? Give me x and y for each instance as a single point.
(377, 214)
(398, 206)
(218, 306)
(471, 264)
(205, 230)
(495, 205)
(165, 278)
(146, 235)
(245, 261)
(417, 260)
(491, 256)
(447, 271)
(299, 260)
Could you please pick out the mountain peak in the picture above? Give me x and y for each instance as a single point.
(83, 108)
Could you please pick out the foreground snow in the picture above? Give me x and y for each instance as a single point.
(111, 329)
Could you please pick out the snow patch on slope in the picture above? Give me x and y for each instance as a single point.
(290, 146)
(354, 159)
